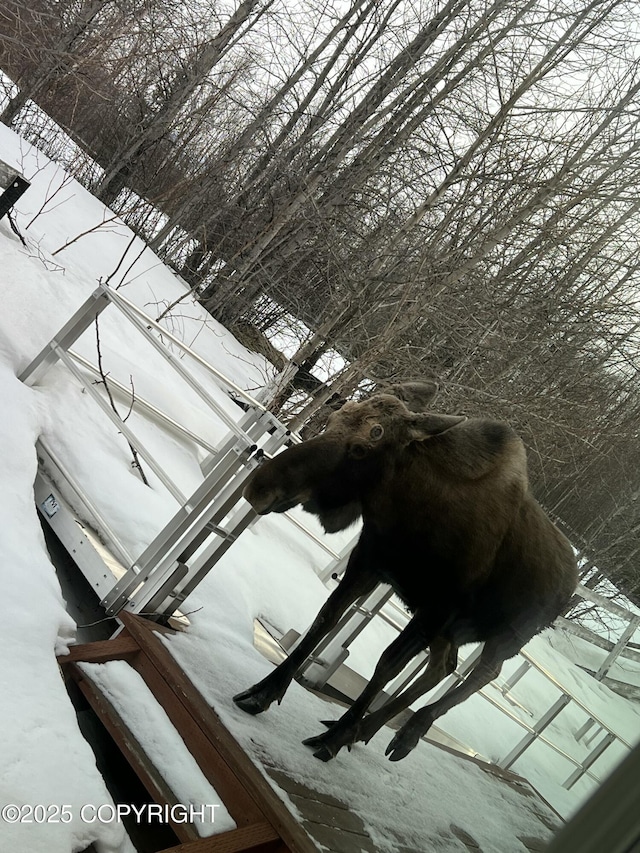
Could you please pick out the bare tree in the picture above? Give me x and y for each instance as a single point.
(440, 188)
(61, 36)
(157, 119)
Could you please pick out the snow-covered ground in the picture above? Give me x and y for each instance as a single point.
(270, 572)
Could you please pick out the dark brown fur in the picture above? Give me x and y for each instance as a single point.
(448, 520)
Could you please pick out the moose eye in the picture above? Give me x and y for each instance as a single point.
(376, 432)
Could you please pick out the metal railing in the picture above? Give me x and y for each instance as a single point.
(334, 651)
(188, 547)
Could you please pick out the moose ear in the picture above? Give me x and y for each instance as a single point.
(423, 426)
(416, 395)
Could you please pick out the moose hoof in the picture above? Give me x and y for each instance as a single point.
(367, 728)
(366, 732)
(401, 745)
(324, 754)
(325, 751)
(253, 701)
(316, 740)
(330, 743)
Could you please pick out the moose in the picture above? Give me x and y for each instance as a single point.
(449, 522)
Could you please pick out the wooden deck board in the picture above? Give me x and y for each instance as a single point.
(327, 819)
(226, 747)
(296, 820)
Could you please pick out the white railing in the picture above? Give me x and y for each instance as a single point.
(158, 580)
(334, 651)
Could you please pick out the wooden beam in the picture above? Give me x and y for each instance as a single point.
(123, 647)
(240, 805)
(220, 738)
(140, 762)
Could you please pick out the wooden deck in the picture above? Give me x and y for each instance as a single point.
(274, 813)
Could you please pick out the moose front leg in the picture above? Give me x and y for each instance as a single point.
(355, 583)
(393, 660)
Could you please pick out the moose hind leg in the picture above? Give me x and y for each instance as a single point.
(355, 583)
(443, 659)
(488, 667)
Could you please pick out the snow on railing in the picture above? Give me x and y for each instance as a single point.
(158, 580)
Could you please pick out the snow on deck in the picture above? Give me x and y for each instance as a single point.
(432, 800)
